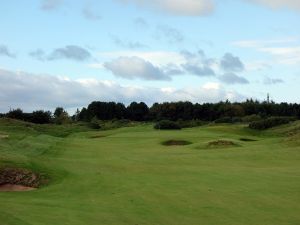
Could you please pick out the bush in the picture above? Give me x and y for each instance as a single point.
(113, 124)
(190, 123)
(15, 114)
(251, 118)
(167, 125)
(41, 117)
(270, 122)
(224, 120)
(94, 124)
(236, 120)
(228, 120)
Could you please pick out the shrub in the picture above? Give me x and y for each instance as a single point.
(113, 124)
(190, 123)
(63, 118)
(236, 120)
(228, 120)
(41, 117)
(270, 122)
(167, 125)
(94, 124)
(15, 114)
(251, 118)
(224, 120)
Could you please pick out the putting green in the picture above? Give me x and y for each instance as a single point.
(126, 176)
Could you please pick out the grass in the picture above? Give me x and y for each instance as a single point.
(126, 176)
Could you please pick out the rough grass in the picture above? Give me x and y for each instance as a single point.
(127, 177)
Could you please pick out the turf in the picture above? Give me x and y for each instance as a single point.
(126, 176)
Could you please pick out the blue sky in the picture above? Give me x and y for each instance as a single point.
(69, 53)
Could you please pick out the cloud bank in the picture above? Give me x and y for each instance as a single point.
(145, 66)
(135, 67)
(30, 92)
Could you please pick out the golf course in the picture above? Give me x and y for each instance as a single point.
(215, 174)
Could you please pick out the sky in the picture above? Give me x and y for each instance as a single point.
(71, 52)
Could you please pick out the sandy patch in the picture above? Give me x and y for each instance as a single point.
(4, 136)
(14, 187)
(16, 179)
(176, 143)
(221, 143)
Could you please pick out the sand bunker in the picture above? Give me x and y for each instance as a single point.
(247, 139)
(14, 187)
(176, 143)
(12, 179)
(221, 143)
(4, 136)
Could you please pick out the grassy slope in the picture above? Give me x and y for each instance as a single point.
(128, 177)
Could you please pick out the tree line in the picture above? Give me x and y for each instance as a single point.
(224, 111)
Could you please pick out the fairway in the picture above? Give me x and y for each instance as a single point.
(126, 176)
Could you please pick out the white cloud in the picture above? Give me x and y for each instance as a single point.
(231, 63)
(177, 7)
(231, 78)
(157, 58)
(199, 70)
(279, 4)
(212, 86)
(135, 67)
(71, 52)
(30, 92)
(284, 51)
(165, 65)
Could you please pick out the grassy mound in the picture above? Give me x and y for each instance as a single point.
(221, 143)
(176, 143)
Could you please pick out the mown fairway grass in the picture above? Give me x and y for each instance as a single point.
(126, 176)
